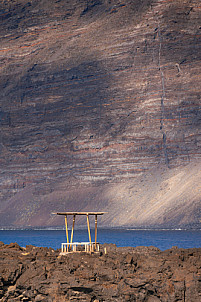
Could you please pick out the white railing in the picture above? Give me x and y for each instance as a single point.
(88, 247)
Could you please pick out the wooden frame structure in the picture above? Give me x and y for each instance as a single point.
(88, 246)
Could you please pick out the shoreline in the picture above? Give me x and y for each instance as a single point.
(162, 239)
(61, 228)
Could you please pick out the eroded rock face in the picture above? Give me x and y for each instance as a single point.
(123, 274)
(95, 94)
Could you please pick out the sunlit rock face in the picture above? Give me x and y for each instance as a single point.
(100, 109)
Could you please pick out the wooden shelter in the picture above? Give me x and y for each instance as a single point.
(70, 245)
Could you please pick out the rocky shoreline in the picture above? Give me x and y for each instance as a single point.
(120, 274)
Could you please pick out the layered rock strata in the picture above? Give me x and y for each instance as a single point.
(93, 94)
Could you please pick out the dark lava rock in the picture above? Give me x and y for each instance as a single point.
(122, 274)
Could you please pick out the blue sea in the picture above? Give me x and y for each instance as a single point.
(163, 239)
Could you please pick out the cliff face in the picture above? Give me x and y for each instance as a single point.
(100, 109)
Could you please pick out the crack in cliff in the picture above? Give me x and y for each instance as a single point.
(158, 30)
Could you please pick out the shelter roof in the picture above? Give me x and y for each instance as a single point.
(79, 213)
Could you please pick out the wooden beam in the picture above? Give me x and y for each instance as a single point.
(79, 213)
(95, 230)
(89, 232)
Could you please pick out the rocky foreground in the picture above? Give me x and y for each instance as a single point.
(122, 274)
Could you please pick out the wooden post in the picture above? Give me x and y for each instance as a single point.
(89, 229)
(71, 239)
(95, 230)
(66, 223)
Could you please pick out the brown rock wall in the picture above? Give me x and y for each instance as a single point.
(96, 92)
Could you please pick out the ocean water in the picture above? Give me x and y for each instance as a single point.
(163, 239)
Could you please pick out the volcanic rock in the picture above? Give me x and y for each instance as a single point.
(100, 110)
(123, 274)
